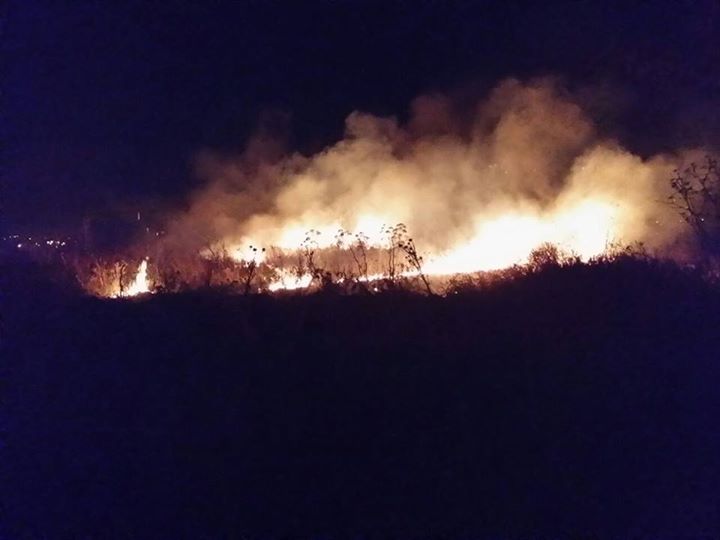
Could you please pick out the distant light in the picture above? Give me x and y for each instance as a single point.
(19, 246)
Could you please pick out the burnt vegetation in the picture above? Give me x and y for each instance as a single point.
(351, 265)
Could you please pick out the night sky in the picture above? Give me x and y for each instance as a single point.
(106, 103)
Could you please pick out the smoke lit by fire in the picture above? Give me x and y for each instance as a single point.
(476, 187)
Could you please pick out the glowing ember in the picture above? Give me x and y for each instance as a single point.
(140, 285)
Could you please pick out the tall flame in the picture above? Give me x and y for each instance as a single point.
(140, 284)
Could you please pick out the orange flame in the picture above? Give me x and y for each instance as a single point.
(140, 284)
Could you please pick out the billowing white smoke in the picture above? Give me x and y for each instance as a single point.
(526, 150)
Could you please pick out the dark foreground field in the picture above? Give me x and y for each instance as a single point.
(575, 402)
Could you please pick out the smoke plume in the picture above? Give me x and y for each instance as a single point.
(527, 148)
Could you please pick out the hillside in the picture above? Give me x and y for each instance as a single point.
(574, 401)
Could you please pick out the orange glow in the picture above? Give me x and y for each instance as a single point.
(289, 281)
(584, 230)
(458, 188)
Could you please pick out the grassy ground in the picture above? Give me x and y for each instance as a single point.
(575, 401)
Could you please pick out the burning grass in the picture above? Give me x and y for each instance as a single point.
(350, 266)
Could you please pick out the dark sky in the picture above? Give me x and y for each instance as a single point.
(106, 102)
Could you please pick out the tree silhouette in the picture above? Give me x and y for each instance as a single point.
(696, 196)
